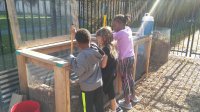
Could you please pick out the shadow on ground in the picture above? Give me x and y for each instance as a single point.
(175, 86)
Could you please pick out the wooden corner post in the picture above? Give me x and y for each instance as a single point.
(148, 54)
(135, 61)
(14, 23)
(62, 89)
(22, 72)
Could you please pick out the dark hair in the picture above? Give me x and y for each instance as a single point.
(83, 36)
(122, 18)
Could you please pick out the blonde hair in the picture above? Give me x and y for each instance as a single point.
(106, 34)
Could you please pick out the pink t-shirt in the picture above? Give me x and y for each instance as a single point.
(124, 42)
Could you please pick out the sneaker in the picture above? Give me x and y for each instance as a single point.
(135, 100)
(119, 109)
(124, 105)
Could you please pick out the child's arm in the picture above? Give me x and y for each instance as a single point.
(104, 61)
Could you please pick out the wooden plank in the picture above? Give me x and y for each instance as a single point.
(148, 55)
(14, 23)
(40, 63)
(44, 41)
(53, 47)
(15, 99)
(21, 63)
(141, 41)
(43, 58)
(62, 89)
(135, 61)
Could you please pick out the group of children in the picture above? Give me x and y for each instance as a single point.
(96, 66)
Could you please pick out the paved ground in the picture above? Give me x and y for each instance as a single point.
(173, 87)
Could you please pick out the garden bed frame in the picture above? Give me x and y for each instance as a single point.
(36, 52)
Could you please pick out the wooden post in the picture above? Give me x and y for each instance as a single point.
(62, 89)
(22, 72)
(14, 23)
(72, 35)
(148, 54)
(135, 61)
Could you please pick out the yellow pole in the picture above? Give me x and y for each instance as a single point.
(104, 20)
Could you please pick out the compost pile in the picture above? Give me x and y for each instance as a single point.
(44, 94)
(159, 50)
(41, 89)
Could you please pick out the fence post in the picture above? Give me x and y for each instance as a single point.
(62, 89)
(193, 36)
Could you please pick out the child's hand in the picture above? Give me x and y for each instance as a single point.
(71, 58)
(114, 42)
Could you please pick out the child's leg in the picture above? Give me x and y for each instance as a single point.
(111, 96)
(87, 99)
(126, 88)
(130, 78)
(113, 104)
(124, 66)
(98, 100)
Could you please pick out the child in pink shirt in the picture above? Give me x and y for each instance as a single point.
(123, 35)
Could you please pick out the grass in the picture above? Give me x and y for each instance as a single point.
(28, 19)
(42, 25)
(6, 44)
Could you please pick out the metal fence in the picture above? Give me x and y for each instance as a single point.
(43, 18)
(7, 52)
(48, 18)
(185, 35)
(91, 12)
(37, 19)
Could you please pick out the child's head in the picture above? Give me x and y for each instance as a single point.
(83, 38)
(104, 36)
(119, 22)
